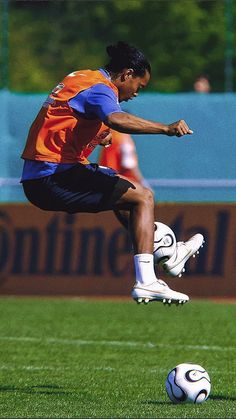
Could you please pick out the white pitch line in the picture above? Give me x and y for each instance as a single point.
(124, 344)
(29, 368)
(108, 369)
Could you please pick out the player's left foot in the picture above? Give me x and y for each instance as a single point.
(184, 250)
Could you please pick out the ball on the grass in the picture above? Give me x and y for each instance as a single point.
(188, 383)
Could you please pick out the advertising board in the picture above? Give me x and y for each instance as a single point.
(49, 253)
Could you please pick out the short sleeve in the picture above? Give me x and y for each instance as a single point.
(96, 102)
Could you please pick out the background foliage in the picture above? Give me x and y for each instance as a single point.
(181, 38)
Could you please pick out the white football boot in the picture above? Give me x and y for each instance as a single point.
(157, 291)
(184, 250)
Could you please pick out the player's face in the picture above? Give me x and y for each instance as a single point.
(131, 84)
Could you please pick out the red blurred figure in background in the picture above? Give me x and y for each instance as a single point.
(121, 155)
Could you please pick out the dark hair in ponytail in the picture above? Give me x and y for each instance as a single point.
(126, 56)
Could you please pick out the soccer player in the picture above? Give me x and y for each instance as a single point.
(57, 175)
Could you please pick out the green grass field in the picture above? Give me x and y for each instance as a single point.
(81, 358)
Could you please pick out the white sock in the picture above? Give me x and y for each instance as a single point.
(144, 268)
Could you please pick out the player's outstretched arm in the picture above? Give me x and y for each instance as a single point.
(131, 124)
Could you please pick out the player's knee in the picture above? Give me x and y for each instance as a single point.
(149, 195)
(140, 195)
(149, 192)
(146, 196)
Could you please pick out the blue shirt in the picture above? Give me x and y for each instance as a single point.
(98, 101)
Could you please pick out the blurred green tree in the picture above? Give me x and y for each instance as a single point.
(182, 39)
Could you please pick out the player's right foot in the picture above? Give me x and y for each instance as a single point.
(184, 250)
(157, 291)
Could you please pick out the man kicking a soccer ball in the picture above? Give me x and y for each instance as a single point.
(57, 176)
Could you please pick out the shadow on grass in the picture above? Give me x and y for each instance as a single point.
(49, 389)
(222, 397)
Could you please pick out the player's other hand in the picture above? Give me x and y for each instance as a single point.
(178, 129)
(105, 138)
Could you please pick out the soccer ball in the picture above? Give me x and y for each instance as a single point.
(188, 383)
(164, 243)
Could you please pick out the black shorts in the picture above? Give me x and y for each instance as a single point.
(83, 188)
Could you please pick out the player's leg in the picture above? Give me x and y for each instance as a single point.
(88, 189)
(139, 202)
(123, 218)
(175, 265)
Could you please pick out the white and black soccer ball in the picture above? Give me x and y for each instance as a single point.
(164, 242)
(188, 383)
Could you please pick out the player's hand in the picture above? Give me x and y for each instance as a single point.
(106, 139)
(178, 129)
